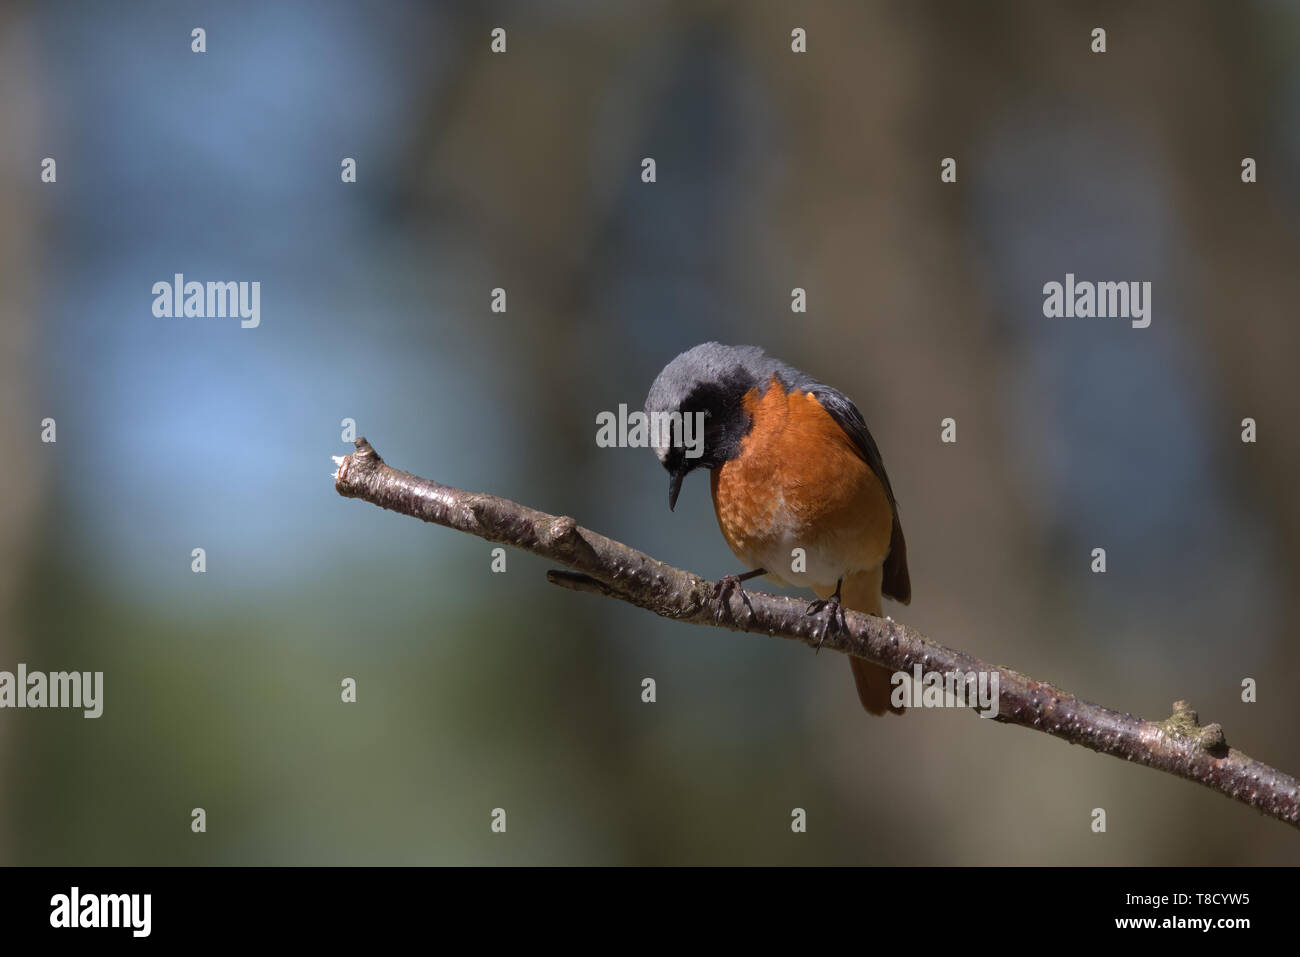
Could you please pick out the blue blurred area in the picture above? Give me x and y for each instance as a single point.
(1109, 421)
(225, 166)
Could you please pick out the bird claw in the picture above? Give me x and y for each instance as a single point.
(722, 590)
(835, 621)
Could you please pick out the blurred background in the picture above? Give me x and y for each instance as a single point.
(522, 171)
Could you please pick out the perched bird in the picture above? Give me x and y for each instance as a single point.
(792, 466)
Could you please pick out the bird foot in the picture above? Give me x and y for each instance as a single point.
(722, 591)
(835, 621)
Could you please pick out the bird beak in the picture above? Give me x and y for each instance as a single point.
(674, 486)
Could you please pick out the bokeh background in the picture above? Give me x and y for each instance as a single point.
(775, 170)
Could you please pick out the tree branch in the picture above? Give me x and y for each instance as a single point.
(594, 563)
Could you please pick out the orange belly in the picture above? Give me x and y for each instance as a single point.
(798, 482)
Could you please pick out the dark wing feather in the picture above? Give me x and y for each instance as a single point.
(896, 583)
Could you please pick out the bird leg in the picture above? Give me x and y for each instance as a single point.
(835, 620)
(725, 585)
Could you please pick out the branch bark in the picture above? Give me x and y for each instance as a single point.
(1179, 745)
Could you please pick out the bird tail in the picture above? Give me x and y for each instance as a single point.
(861, 592)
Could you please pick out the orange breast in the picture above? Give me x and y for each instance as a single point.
(799, 482)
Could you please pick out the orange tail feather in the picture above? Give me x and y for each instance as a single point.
(861, 592)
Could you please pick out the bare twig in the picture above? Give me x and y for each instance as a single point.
(594, 563)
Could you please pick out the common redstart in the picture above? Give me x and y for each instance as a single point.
(792, 467)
